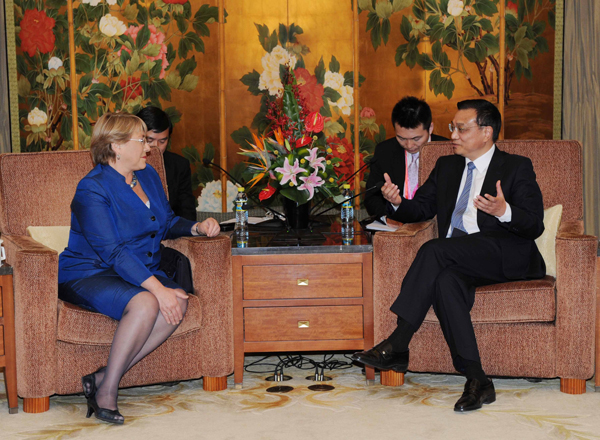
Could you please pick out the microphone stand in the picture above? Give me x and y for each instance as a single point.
(377, 186)
(276, 215)
(368, 164)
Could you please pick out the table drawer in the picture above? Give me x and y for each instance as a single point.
(302, 281)
(303, 323)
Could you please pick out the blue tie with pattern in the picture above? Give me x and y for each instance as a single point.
(463, 201)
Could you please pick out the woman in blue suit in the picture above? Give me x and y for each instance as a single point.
(119, 216)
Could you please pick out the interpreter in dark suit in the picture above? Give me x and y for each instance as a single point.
(489, 212)
(177, 168)
(399, 156)
(119, 215)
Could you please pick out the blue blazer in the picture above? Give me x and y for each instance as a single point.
(111, 228)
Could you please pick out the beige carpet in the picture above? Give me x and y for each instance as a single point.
(421, 409)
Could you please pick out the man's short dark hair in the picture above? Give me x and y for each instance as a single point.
(156, 120)
(487, 114)
(411, 112)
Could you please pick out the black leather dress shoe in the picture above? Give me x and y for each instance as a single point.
(383, 357)
(475, 396)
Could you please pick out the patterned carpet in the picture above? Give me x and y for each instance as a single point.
(421, 409)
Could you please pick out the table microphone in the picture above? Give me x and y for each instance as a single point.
(367, 164)
(377, 186)
(208, 163)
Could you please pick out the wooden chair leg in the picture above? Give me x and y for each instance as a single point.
(36, 405)
(10, 381)
(214, 383)
(572, 386)
(391, 378)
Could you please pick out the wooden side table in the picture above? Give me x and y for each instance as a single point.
(8, 354)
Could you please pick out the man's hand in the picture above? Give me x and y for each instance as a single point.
(495, 206)
(390, 191)
(210, 227)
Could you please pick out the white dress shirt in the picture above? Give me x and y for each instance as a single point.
(482, 164)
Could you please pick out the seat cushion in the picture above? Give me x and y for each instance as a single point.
(519, 301)
(80, 326)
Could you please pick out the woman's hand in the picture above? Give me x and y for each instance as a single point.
(168, 304)
(209, 227)
(167, 299)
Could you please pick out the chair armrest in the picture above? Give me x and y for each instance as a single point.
(393, 253)
(575, 304)
(211, 271)
(35, 284)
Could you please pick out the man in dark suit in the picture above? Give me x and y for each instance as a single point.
(177, 168)
(489, 212)
(399, 156)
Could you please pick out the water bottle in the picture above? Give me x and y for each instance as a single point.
(241, 210)
(241, 237)
(347, 234)
(347, 206)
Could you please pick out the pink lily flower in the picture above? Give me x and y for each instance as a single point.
(314, 161)
(310, 183)
(289, 172)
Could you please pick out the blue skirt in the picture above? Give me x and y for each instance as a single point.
(105, 293)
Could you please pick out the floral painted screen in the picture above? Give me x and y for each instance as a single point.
(132, 53)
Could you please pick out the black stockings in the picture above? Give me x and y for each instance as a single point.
(141, 330)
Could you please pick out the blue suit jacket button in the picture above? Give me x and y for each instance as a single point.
(153, 235)
(153, 218)
(149, 254)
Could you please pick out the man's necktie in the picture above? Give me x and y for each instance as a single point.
(463, 201)
(413, 175)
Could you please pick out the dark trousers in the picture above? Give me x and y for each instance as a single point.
(444, 275)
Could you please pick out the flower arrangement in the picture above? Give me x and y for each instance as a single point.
(293, 157)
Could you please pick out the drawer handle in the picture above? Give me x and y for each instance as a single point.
(303, 281)
(303, 324)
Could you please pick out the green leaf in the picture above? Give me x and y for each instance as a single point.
(242, 137)
(372, 20)
(101, 89)
(301, 197)
(485, 7)
(182, 23)
(263, 35)
(152, 50)
(290, 105)
(209, 151)
(331, 94)
(349, 79)
(486, 25)
(325, 110)
(196, 41)
(542, 44)
(251, 80)
(520, 34)
(320, 71)
(160, 89)
(24, 87)
(426, 62)
(294, 30)
(130, 12)
(174, 114)
(470, 55)
(189, 83)
(66, 127)
(398, 5)
(334, 65)
(186, 67)
(411, 57)
(143, 36)
(386, 28)
(376, 35)
(380, 137)
(191, 154)
(133, 64)
(522, 57)
(400, 53)
(405, 28)
(491, 42)
(436, 51)
(283, 34)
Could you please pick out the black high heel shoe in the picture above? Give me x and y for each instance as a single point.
(88, 383)
(106, 415)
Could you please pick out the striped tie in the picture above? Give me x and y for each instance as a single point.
(463, 201)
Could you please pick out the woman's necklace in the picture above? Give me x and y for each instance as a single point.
(134, 181)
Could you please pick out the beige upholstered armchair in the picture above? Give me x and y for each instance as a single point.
(538, 329)
(57, 342)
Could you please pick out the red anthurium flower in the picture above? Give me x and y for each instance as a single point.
(314, 122)
(304, 140)
(265, 193)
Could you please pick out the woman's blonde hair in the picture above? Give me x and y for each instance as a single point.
(112, 128)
